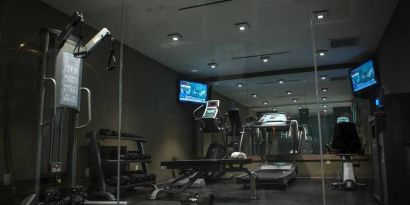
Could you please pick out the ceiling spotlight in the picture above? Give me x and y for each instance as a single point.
(281, 81)
(324, 106)
(264, 59)
(325, 89)
(324, 110)
(295, 100)
(239, 85)
(175, 36)
(299, 107)
(254, 95)
(322, 52)
(194, 70)
(22, 45)
(324, 98)
(289, 92)
(321, 15)
(265, 102)
(323, 77)
(275, 110)
(212, 65)
(242, 26)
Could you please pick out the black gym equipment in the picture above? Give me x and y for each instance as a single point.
(211, 121)
(278, 168)
(217, 160)
(201, 167)
(101, 159)
(346, 144)
(62, 62)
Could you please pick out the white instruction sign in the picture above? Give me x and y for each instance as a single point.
(70, 78)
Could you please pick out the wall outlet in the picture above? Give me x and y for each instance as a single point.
(87, 172)
(328, 162)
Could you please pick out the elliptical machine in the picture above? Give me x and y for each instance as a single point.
(62, 64)
(211, 122)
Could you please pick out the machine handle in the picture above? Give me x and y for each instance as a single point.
(53, 81)
(89, 108)
(196, 110)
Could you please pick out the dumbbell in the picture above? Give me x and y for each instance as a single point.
(136, 155)
(112, 181)
(128, 156)
(124, 180)
(152, 177)
(136, 178)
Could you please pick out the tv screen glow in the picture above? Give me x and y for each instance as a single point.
(363, 76)
(193, 92)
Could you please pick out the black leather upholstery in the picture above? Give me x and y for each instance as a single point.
(345, 139)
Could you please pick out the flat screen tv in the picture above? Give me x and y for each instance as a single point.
(192, 92)
(363, 77)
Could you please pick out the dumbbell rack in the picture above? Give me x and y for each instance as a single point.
(97, 163)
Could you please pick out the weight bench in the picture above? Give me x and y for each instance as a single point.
(201, 167)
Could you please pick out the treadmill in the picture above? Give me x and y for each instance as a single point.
(280, 145)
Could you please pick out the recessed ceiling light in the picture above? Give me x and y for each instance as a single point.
(324, 98)
(275, 110)
(289, 92)
(239, 85)
(242, 26)
(265, 102)
(321, 15)
(194, 70)
(281, 81)
(212, 65)
(324, 106)
(22, 45)
(254, 95)
(295, 100)
(324, 110)
(322, 52)
(299, 107)
(175, 36)
(325, 89)
(264, 59)
(323, 77)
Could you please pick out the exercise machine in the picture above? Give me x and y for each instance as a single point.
(279, 166)
(346, 144)
(217, 161)
(61, 67)
(201, 167)
(211, 121)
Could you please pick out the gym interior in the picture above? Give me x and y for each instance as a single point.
(205, 102)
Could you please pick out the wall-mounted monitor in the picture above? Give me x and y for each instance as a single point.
(363, 77)
(193, 92)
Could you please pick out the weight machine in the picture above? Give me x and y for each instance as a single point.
(61, 67)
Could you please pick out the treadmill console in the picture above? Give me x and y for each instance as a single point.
(211, 110)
